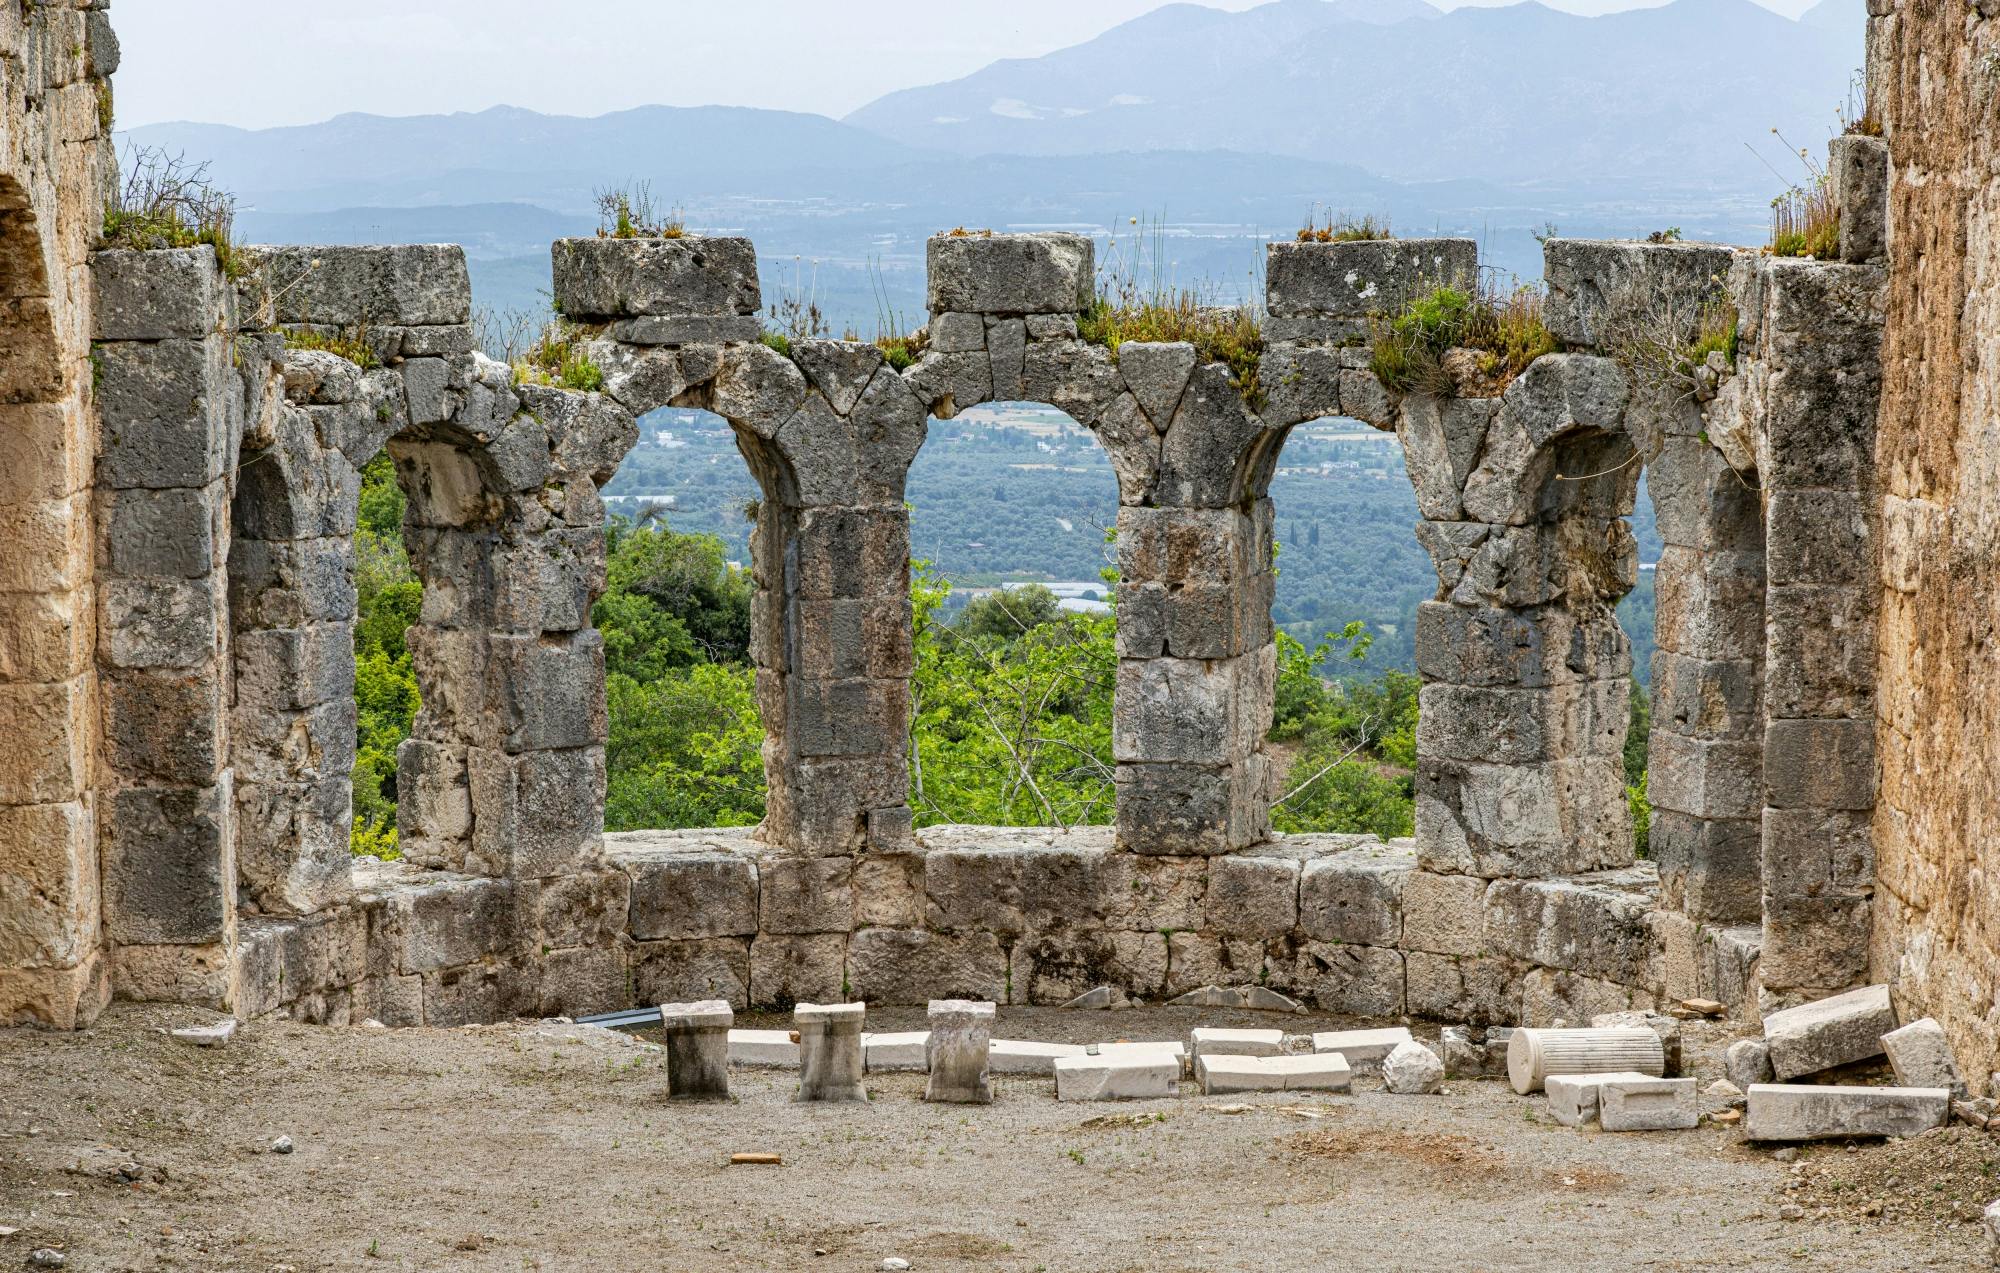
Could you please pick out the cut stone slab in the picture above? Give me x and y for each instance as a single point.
(1205, 1039)
(830, 1056)
(1803, 1111)
(1128, 1076)
(1641, 1103)
(1747, 1061)
(896, 1050)
(959, 1052)
(1219, 1074)
(1838, 1031)
(697, 1037)
(763, 1047)
(1573, 1098)
(1101, 997)
(1921, 1055)
(1534, 1055)
(207, 1036)
(1327, 1072)
(1172, 1049)
(1022, 1056)
(1411, 1069)
(1365, 1050)
(1255, 998)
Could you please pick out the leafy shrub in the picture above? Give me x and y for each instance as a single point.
(1504, 331)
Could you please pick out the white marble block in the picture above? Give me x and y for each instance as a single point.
(1129, 1076)
(1641, 1103)
(959, 1050)
(697, 1036)
(830, 1058)
(1365, 1050)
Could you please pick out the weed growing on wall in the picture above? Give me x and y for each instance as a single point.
(350, 343)
(559, 358)
(166, 202)
(1332, 227)
(1461, 340)
(629, 212)
(1138, 300)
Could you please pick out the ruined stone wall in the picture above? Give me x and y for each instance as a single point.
(1937, 829)
(55, 161)
(176, 684)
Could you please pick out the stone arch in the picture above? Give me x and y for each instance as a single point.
(1526, 671)
(829, 434)
(503, 773)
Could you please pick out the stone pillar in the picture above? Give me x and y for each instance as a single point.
(56, 162)
(829, 432)
(167, 453)
(830, 1060)
(1525, 670)
(956, 1051)
(697, 1049)
(1810, 383)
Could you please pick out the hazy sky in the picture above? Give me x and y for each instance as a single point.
(258, 63)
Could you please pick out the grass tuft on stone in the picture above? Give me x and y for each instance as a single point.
(558, 358)
(165, 202)
(1805, 221)
(629, 212)
(350, 343)
(1344, 228)
(1458, 340)
(1156, 309)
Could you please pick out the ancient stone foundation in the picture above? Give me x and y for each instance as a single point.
(176, 685)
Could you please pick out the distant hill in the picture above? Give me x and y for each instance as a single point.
(1649, 97)
(1229, 127)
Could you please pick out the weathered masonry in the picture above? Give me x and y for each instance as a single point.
(180, 490)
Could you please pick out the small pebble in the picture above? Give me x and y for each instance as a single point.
(282, 1145)
(893, 1263)
(47, 1258)
(1791, 1211)
(1789, 1153)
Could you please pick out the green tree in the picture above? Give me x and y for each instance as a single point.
(388, 598)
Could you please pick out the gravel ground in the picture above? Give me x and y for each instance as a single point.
(547, 1146)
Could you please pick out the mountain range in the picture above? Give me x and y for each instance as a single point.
(1230, 127)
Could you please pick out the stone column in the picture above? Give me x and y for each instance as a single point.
(1809, 385)
(956, 1051)
(829, 432)
(167, 454)
(830, 1060)
(697, 1049)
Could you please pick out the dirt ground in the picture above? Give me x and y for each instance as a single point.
(547, 1146)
